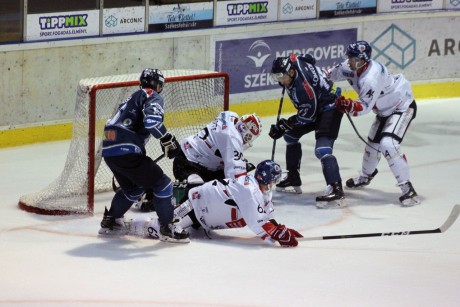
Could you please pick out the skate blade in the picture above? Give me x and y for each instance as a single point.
(333, 204)
(112, 233)
(293, 190)
(410, 202)
(172, 240)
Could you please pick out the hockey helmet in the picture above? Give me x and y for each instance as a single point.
(361, 50)
(268, 172)
(280, 67)
(250, 127)
(150, 78)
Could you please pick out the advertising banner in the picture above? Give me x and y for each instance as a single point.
(340, 8)
(452, 5)
(237, 12)
(248, 61)
(124, 20)
(297, 9)
(416, 47)
(184, 16)
(409, 5)
(63, 25)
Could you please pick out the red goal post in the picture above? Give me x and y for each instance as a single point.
(192, 98)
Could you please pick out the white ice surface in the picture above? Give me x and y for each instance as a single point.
(60, 261)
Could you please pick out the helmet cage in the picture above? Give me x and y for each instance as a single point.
(249, 127)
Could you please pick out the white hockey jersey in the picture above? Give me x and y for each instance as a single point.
(377, 89)
(233, 203)
(218, 146)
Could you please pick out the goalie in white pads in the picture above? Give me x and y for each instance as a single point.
(216, 151)
(230, 203)
(390, 97)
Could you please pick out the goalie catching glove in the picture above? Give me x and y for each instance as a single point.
(286, 237)
(170, 145)
(347, 105)
(280, 128)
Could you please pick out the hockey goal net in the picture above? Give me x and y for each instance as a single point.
(192, 99)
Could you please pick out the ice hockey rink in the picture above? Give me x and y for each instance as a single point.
(60, 261)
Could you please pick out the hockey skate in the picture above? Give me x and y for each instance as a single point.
(173, 233)
(360, 181)
(409, 197)
(333, 197)
(112, 226)
(290, 184)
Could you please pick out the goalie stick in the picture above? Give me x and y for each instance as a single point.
(450, 220)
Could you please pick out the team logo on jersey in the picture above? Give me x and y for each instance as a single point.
(110, 135)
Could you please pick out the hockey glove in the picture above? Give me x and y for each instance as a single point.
(286, 237)
(347, 105)
(278, 130)
(170, 145)
(250, 167)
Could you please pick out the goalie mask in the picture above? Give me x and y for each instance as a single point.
(151, 78)
(250, 127)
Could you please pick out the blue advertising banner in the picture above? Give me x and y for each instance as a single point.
(339, 8)
(248, 61)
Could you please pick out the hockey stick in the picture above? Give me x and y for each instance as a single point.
(450, 220)
(359, 135)
(277, 121)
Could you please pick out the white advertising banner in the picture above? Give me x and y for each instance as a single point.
(408, 5)
(63, 25)
(452, 4)
(237, 12)
(416, 47)
(124, 20)
(297, 9)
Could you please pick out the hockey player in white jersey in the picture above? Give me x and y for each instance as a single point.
(390, 97)
(216, 151)
(230, 203)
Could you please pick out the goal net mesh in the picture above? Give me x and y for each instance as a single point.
(192, 99)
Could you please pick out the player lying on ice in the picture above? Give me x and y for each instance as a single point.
(229, 203)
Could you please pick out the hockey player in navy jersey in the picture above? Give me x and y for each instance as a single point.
(390, 97)
(313, 96)
(230, 203)
(137, 118)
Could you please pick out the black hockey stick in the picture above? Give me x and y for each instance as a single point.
(450, 220)
(359, 135)
(277, 121)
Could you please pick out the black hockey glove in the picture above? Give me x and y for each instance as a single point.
(170, 145)
(250, 167)
(278, 130)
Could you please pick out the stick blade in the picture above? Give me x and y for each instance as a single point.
(451, 219)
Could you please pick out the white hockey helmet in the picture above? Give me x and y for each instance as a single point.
(250, 127)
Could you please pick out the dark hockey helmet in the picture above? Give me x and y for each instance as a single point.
(360, 49)
(150, 78)
(268, 172)
(280, 67)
